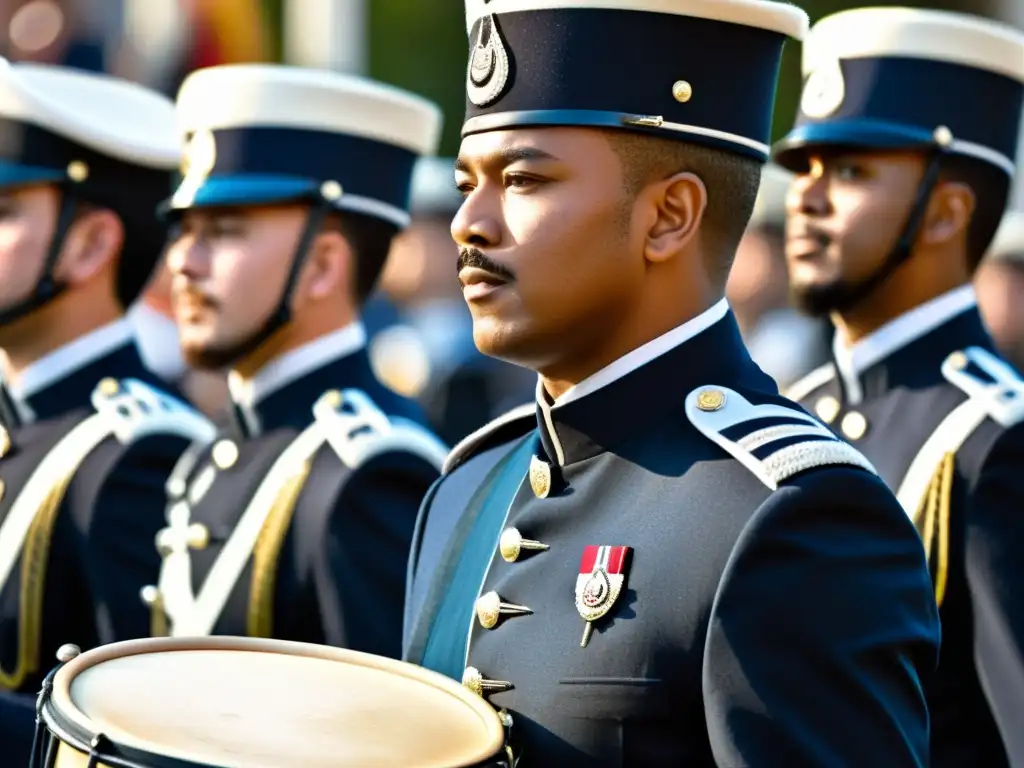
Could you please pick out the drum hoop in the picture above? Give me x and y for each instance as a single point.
(70, 724)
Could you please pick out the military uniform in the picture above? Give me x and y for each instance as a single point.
(924, 396)
(295, 523)
(670, 564)
(87, 435)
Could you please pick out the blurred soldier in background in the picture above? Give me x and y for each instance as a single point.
(785, 343)
(295, 523)
(87, 435)
(904, 150)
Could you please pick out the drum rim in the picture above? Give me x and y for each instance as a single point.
(71, 725)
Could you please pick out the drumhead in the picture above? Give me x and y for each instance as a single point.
(229, 702)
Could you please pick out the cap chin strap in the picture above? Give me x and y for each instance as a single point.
(898, 256)
(283, 314)
(47, 288)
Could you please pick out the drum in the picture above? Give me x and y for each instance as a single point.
(228, 702)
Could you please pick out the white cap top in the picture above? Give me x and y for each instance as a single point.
(778, 17)
(914, 33)
(112, 116)
(267, 95)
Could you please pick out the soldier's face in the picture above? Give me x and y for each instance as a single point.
(844, 216)
(229, 270)
(27, 220)
(543, 238)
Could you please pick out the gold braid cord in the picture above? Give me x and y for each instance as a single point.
(932, 522)
(260, 619)
(34, 559)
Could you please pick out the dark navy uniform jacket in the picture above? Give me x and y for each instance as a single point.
(331, 569)
(910, 378)
(95, 552)
(777, 609)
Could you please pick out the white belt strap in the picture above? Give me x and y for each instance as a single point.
(62, 460)
(196, 616)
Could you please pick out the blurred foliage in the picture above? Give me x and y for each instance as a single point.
(421, 45)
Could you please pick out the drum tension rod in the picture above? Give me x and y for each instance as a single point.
(64, 654)
(99, 741)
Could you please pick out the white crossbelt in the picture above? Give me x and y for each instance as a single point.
(196, 615)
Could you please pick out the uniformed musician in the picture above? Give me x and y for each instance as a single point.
(904, 149)
(296, 522)
(661, 561)
(87, 434)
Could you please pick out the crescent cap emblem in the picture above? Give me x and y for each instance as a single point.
(488, 70)
(824, 91)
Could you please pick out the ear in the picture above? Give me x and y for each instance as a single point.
(92, 244)
(949, 213)
(329, 268)
(680, 202)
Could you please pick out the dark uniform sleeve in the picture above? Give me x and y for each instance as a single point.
(995, 575)
(822, 628)
(359, 577)
(119, 521)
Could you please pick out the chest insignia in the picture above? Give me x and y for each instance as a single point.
(600, 581)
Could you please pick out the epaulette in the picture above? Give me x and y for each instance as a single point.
(516, 423)
(983, 376)
(134, 409)
(805, 386)
(773, 441)
(358, 430)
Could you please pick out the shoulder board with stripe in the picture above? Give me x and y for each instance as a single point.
(508, 426)
(773, 441)
(134, 409)
(819, 377)
(984, 376)
(357, 430)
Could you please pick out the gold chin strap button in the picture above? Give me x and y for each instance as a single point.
(512, 544)
(490, 608)
(854, 425)
(480, 685)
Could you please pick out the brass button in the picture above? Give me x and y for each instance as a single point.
(108, 387)
(827, 409)
(710, 399)
(511, 545)
(854, 425)
(957, 360)
(225, 454)
(490, 608)
(540, 477)
(480, 685)
(682, 91)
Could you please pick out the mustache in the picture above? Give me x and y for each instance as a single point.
(193, 295)
(474, 257)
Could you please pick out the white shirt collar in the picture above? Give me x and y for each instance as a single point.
(639, 356)
(65, 360)
(292, 365)
(853, 360)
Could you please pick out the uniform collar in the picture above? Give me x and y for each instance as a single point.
(954, 313)
(64, 379)
(282, 393)
(639, 390)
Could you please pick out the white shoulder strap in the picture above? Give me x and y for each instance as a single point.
(998, 394)
(358, 430)
(818, 377)
(127, 410)
(717, 410)
(136, 410)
